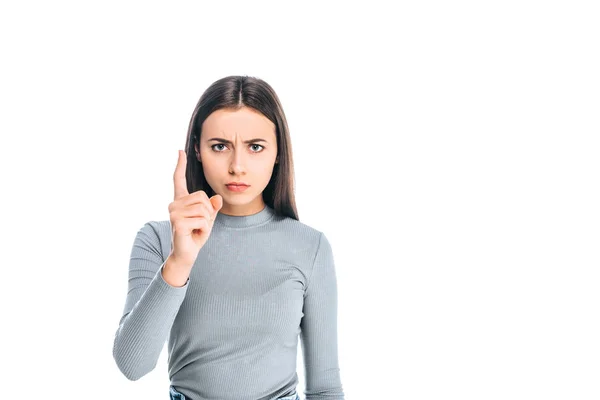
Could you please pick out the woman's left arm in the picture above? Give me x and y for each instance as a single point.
(319, 328)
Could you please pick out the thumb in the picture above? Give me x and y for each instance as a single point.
(217, 202)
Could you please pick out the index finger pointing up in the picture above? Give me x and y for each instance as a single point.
(179, 180)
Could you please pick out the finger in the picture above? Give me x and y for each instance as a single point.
(180, 184)
(200, 197)
(198, 210)
(188, 224)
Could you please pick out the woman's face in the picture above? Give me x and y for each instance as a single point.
(236, 157)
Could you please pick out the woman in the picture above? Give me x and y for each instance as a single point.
(233, 277)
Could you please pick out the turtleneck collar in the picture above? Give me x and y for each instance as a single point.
(245, 221)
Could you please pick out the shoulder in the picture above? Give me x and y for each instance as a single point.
(157, 234)
(157, 228)
(299, 235)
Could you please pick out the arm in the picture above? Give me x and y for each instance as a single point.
(150, 308)
(319, 328)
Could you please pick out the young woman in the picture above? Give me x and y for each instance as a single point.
(233, 277)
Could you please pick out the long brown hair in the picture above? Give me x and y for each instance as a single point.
(234, 92)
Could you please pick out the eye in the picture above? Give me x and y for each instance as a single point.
(213, 147)
(221, 144)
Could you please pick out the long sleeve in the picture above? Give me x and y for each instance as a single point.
(150, 308)
(319, 328)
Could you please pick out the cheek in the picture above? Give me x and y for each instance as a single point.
(267, 174)
(209, 173)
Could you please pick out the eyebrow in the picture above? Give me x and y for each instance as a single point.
(228, 141)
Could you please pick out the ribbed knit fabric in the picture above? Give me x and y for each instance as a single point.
(259, 282)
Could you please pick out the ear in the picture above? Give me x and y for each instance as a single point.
(197, 153)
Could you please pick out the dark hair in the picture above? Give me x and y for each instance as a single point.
(235, 92)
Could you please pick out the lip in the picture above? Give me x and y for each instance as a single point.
(237, 188)
(237, 184)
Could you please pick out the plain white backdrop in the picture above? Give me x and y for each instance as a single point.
(449, 151)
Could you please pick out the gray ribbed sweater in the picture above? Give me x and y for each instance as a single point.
(258, 283)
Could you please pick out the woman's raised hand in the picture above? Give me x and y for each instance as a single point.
(192, 217)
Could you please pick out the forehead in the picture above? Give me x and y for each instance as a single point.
(244, 121)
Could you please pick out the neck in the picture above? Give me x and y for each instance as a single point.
(240, 210)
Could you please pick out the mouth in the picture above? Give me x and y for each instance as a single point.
(237, 188)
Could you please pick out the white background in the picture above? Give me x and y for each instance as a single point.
(447, 149)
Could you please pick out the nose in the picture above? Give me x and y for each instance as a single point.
(236, 167)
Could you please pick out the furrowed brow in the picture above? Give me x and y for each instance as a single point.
(221, 140)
